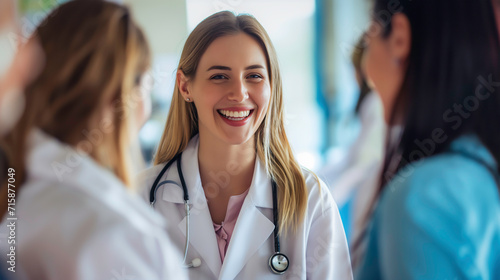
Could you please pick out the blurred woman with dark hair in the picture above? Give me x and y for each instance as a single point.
(436, 67)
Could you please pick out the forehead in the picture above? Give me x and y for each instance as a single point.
(239, 50)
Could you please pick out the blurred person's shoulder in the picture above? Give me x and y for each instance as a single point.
(72, 211)
(79, 190)
(465, 171)
(448, 203)
(450, 188)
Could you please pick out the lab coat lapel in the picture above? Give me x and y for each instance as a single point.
(252, 228)
(202, 239)
(202, 234)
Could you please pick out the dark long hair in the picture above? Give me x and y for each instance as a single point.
(447, 90)
(454, 54)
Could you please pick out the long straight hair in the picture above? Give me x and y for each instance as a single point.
(272, 144)
(94, 56)
(455, 50)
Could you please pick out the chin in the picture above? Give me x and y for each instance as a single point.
(237, 139)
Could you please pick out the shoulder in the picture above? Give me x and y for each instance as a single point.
(86, 230)
(320, 200)
(444, 207)
(90, 232)
(324, 233)
(118, 208)
(317, 188)
(149, 175)
(438, 196)
(446, 180)
(84, 212)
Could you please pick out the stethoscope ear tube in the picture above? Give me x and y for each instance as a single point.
(152, 192)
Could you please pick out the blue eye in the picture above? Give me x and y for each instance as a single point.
(255, 76)
(218, 77)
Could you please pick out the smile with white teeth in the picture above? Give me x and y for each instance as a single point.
(234, 115)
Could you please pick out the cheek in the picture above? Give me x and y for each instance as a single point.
(261, 99)
(378, 72)
(205, 98)
(381, 75)
(370, 66)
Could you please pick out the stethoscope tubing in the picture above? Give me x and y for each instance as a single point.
(152, 200)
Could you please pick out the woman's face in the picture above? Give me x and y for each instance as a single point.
(384, 61)
(231, 89)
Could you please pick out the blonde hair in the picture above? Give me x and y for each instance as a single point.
(272, 145)
(95, 55)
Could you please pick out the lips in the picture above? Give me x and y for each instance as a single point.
(234, 114)
(235, 117)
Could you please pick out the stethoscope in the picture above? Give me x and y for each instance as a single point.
(278, 262)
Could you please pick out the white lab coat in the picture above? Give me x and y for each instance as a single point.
(317, 251)
(76, 220)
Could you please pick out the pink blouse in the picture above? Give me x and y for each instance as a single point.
(224, 231)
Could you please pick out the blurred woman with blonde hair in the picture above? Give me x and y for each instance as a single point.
(243, 206)
(65, 166)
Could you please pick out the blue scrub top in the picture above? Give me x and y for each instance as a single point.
(438, 219)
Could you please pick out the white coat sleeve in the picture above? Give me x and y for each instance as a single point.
(327, 253)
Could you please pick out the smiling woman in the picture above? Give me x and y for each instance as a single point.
(232, 98)
(242, 180)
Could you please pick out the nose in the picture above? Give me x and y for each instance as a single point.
(239, 91)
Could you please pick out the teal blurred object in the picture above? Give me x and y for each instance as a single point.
(345, 212)
(438, 220)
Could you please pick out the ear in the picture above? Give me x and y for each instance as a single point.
(400, 37)
(183, 85)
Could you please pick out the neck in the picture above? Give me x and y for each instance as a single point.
(225, 169)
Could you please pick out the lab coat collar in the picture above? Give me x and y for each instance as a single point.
(260, 190)
(202, 233)
(251, 231)
(252, 228)
(190, 169)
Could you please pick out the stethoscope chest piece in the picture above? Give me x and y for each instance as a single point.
(278, 263)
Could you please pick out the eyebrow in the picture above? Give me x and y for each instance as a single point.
(220, 67)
